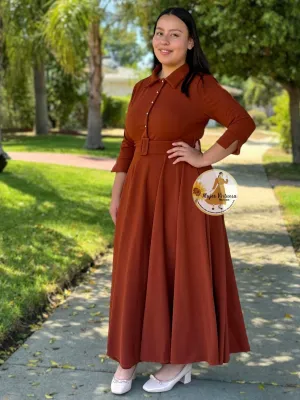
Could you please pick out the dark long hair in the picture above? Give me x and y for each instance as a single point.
(195, 57)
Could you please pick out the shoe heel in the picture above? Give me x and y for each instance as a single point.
(187, 377)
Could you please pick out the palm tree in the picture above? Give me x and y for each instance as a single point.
(26, 50)
(71, 28)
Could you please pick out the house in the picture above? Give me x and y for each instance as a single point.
(118, 80)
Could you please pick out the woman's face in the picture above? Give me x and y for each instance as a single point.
(171, 34)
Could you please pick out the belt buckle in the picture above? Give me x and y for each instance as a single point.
(144, 146)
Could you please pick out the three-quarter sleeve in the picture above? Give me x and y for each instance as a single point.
(125, 155)
(127, 147)
(223, 108)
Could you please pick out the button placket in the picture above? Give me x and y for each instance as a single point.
(151, 105)
(145, 139)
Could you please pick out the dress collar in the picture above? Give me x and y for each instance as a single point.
(173, 79)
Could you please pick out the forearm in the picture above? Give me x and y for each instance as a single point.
(216, 153)
(118, 184)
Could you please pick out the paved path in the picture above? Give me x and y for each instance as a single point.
(76, 160)
(284, 182)
(268, 277)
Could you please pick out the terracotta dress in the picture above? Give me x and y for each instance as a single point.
(174, 297)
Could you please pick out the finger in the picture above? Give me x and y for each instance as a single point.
(177, 153)
(170, 151)
(179, 159)
(183, 144)
(178, 145)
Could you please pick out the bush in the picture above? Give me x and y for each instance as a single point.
(260, 118)
(114, 110)
(281, 120)
(17, 106)
(78, 117)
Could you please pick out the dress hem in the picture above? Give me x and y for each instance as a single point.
(211, 363)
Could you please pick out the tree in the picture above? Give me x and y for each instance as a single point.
(26, 50)
(258, 38)
(123, 46)
(71, 27)
(65, 93)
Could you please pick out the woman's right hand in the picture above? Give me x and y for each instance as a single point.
(113, 209)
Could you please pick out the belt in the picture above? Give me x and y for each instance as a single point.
(148, 146)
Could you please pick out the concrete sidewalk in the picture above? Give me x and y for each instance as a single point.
(268, 277)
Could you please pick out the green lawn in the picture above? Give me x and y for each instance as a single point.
(57, 143)
(60, 144)
(278, 165)
(54, 220)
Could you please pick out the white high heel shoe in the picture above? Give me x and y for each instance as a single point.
(156, 385)
(120, 386)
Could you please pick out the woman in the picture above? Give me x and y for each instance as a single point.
(174, 298)
(217, 195)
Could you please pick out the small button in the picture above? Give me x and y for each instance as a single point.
(147, 112)
(145, 126)
(162, 80)
(157, 91)
(151, 101)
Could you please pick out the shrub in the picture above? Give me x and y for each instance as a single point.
(114, 110)
(281, 120)
(260, 118)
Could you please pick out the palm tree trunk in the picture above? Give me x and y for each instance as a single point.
(94, 139)
(3, 155)
(41, 111)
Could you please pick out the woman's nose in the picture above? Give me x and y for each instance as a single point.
(164, 39)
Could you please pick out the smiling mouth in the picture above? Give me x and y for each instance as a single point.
(165, 51)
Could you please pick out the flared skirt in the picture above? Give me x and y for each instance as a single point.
(174, 297)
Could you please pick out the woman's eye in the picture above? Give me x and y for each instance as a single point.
(175, 34)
